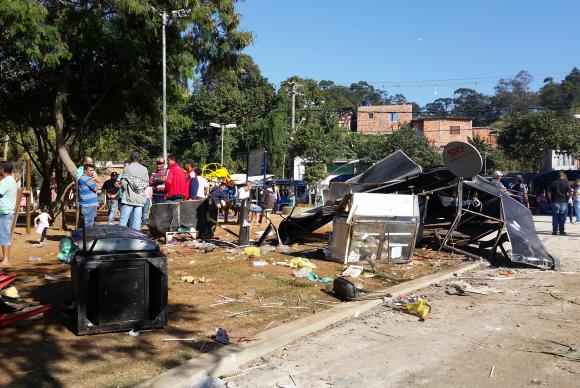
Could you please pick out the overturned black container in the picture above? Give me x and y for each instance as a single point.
(119, 281)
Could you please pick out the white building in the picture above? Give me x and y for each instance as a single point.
(557, 160)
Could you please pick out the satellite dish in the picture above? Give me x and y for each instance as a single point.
(462, 159)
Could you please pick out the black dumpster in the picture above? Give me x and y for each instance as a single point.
(119, 281)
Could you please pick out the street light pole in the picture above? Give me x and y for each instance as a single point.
(164, 21)
(179, 13)
(223, 128)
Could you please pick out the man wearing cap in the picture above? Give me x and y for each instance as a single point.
(497, 180)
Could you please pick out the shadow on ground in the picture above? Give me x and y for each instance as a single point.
(43, 352)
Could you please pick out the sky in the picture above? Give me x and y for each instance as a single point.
(424, 49)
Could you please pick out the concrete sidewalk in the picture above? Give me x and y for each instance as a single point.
(486, 341)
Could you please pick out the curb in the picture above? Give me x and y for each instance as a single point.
(228, 360)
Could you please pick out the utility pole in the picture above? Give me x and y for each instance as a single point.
(164, 71)
(6, 140)
(293, 93)
(179, 13)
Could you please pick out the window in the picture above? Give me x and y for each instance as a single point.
(371, 115)
(455, 130)
(394, 117)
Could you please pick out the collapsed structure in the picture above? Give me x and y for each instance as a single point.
(458, 213)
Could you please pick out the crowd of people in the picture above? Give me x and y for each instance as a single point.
(134, 191)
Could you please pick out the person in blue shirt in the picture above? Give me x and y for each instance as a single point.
(88, 199)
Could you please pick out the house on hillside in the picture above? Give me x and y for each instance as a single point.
(382, 119)
(439, 131)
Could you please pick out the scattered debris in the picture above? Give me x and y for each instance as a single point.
(463, 288)
(56, 277)
(301, 262)
(353, 271)
(179, 339)
(414, 305)
(313, 277)
(283, 248)
(194, 280)
(34, 258)
(252, 252)
(221, 336)
(260, 263)
(202, 246)
(11, 292)
(492, 372)
(134, 333)
(302, 272)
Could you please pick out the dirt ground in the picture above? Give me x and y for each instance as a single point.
(45, 353)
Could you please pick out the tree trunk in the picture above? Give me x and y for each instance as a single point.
(59, 129)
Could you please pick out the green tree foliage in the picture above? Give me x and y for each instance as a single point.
(239, 95)
(562, 97)
(514, 96)
(406, 139)
(75, 69)
(526, 137)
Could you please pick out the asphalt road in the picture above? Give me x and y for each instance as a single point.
(511, 337)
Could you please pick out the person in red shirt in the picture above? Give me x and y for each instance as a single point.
(176, 188)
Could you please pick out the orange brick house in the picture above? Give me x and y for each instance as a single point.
(382, 119)
(441, 130)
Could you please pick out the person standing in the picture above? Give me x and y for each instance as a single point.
(42, 223)
(176, 188)
(148, 203)
(8, 191)
(576, 199)
(558, 194)
(520, 191)
(267, 204)
(198, 186)
(88, 198)
(497, 180)
(157, 181)
(112, 193)
(133, 181)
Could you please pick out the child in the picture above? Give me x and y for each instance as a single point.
(42, 222)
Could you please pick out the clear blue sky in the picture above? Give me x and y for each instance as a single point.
(396, 45)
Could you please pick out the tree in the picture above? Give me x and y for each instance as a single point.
(527, 137)
(562, 97)
(477, 106)
(440, 107)
(514, 96)
(238, 95)
(405, 139)
(79, 68)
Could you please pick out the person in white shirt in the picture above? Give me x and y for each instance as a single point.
(42, 223)
(198, 186)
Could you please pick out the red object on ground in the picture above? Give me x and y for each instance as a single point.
(9, 319)
(176, 183)
(6, 280)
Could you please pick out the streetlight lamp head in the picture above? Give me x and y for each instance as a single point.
(231, 126)
(215, 125)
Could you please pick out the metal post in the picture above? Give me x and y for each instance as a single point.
(6, 139)
(223, 129)
(293, 107)
(265, 164)
(244, 223)
(164, 22)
